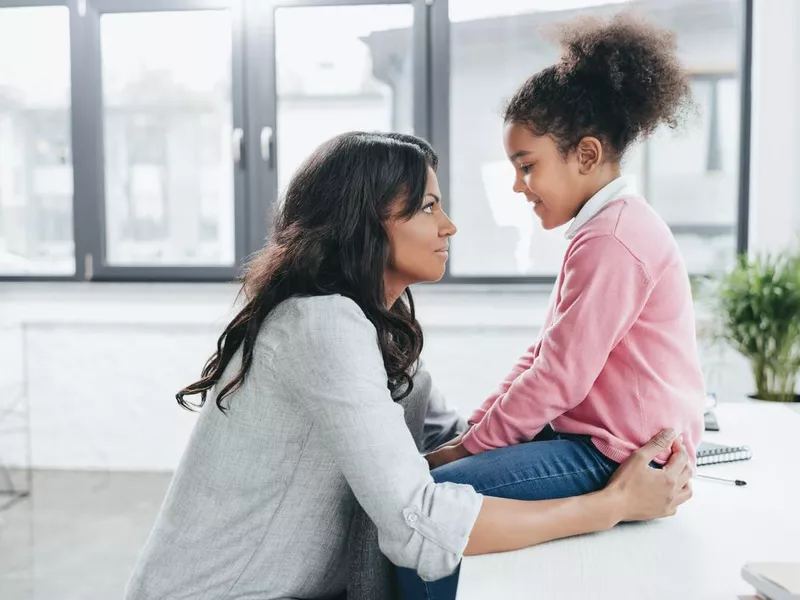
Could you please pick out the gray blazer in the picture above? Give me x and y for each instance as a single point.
(264, 500)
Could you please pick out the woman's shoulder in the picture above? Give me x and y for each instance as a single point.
(322, 312)
(310, 340)
(329, 303)
(331, 321)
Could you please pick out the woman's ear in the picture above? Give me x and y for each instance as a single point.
(589, 154)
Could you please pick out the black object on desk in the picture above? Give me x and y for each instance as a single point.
(711, 423)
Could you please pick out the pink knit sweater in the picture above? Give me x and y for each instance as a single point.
(618, 357)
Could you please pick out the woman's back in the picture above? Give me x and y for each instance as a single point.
(259, 506)
(232, 518)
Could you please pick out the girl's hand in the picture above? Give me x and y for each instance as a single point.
(446, 454)
(642, 492)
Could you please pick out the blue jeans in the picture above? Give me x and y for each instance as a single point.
(553, 465)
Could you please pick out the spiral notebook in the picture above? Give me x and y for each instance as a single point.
(710, 454)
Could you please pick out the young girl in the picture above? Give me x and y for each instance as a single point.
(618, 359)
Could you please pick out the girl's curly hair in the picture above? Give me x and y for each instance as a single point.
(617, 80)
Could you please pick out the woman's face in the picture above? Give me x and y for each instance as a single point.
(551, 183)
(418, 246)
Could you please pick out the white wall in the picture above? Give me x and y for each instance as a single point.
(103, 362)
(775, 155)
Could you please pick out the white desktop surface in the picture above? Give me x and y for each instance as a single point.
(697, 554)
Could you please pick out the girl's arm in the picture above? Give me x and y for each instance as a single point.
(604, 291)
(523, 364)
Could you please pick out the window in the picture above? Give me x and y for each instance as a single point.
(336, 74)
(168, 122)
(35, 142)
(689, 176)
(152, 139)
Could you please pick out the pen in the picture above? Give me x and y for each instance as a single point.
(737, 482)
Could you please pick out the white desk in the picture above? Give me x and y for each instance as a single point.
(696, 555)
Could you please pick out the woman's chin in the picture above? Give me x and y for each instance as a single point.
(432, 277)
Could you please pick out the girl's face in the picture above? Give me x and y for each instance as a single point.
(556, 186)
(418, 246)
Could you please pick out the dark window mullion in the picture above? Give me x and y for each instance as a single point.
(239, 100)
(439, 99)
(262, 176)
(745, 93)
(87, 140)
(421, 60)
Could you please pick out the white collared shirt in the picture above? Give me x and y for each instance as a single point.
(611, 191)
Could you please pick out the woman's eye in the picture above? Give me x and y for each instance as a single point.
(428, 208)
(526, 169)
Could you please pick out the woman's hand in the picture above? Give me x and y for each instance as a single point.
(447, 454)
(642, 492)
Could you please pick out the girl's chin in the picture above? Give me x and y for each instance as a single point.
(549, 225)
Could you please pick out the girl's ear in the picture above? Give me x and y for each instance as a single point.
(589, 153)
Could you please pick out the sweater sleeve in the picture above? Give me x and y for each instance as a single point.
(523, 364)
(604, 290)
(332, 365)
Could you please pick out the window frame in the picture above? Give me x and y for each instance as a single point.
(254, 107)
(88, 139)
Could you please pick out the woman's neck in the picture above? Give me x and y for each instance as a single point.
(394, 290)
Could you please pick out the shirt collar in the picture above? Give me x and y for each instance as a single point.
(611, 191)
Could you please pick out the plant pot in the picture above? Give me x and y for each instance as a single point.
(754, 397)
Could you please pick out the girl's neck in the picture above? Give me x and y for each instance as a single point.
(608, 173)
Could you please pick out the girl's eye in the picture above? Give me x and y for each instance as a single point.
(428, 208)
(526, 168)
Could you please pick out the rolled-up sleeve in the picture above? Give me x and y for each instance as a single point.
(333, 367)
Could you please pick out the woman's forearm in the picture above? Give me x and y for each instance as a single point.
(635, 492)
(504, 525)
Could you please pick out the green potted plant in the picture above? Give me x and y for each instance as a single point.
(758, 312)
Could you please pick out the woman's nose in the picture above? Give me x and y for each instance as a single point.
(448, 228)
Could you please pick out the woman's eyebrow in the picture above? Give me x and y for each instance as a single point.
(518, 154)
(435, 197)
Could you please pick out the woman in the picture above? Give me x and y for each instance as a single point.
(309, 381)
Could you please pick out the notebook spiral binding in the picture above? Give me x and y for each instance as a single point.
(709, 454)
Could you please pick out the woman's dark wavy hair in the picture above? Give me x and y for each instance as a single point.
(617, 80)
(329, 238)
